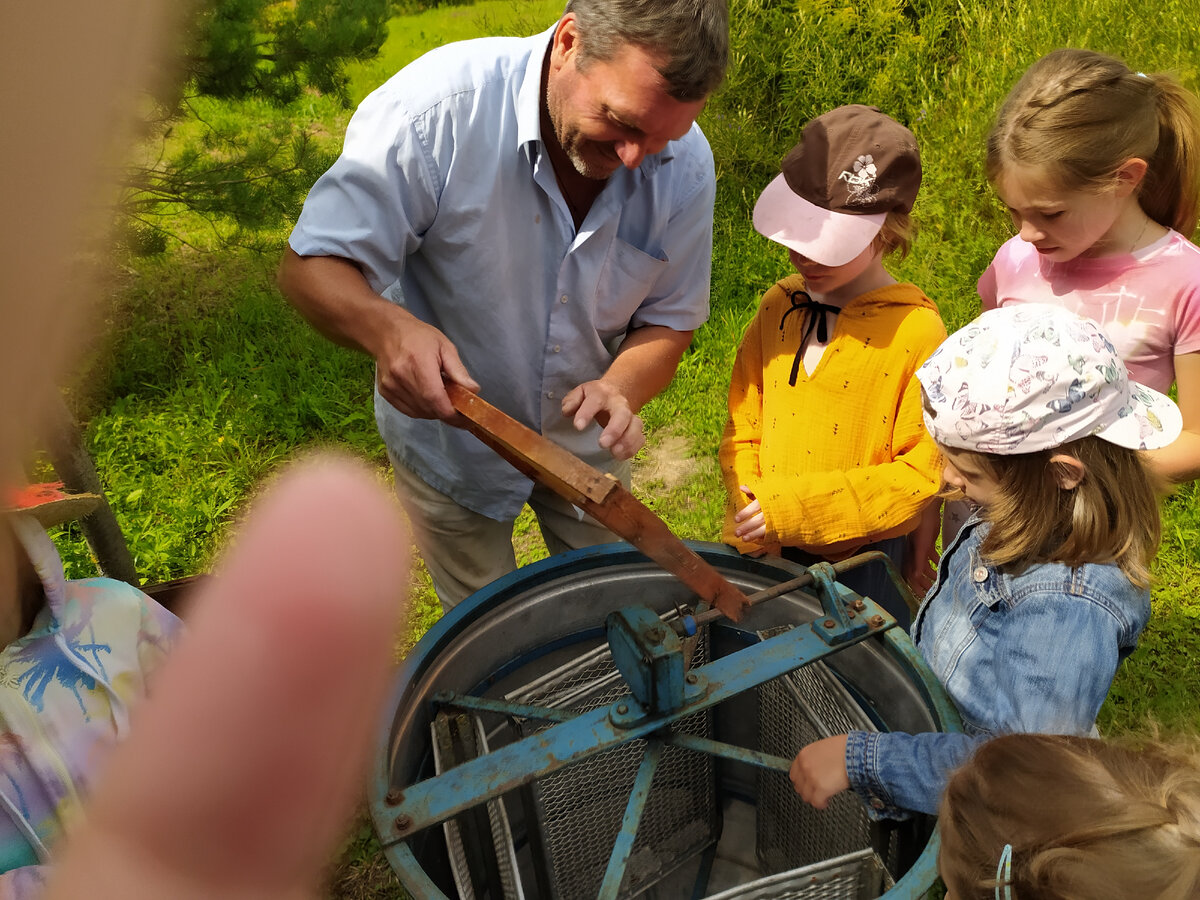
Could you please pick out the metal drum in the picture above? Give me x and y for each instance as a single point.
(523, 761)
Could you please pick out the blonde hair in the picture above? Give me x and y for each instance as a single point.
(1087, 820)
(1111, 516)
(896, 235)
(1077, 116)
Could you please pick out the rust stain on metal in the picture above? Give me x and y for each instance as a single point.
(598, 494)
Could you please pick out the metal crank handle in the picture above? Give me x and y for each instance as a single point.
(800, 581)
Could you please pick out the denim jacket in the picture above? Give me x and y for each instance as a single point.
(1034, 652)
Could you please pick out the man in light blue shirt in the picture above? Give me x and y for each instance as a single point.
(530, 218)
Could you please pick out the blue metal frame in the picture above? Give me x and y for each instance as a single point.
(398, 815)
(614, 874)
(477, 780)
(649, 656)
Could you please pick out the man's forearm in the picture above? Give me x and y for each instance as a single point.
(646, 363)
(335, 298)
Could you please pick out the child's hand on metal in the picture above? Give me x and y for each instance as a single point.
(819, 771)
(752, 524)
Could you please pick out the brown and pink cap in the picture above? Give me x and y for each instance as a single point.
(852, 167)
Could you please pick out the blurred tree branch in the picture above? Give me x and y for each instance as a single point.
(239, 176)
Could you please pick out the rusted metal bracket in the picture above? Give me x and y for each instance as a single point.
(598, 494)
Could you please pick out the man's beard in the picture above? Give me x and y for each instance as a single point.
(594, 164)
(588, 157)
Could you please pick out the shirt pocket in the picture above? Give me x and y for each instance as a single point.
(624, 283)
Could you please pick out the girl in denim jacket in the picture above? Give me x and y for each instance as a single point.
(1046, 587)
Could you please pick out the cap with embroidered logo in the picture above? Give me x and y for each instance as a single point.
(1033, 376)
(852, 167)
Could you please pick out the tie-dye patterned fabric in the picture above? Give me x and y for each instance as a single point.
(1148, 302)
(65, 692)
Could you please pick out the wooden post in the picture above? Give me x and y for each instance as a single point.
(73, 463)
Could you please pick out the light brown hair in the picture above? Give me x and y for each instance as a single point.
(1111, 516)
(896, 235)
(1077, 117)
(1087, 820)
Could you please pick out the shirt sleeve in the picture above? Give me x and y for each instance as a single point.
(159, 632)
(1187, 324)
(896, 774)
(824, 508)
(738, 453)
(380, 196)
(679, 297)
(1041, 687)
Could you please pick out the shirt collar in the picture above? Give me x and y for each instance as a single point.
(529, 97)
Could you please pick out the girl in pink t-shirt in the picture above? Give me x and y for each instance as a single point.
(1100, 169)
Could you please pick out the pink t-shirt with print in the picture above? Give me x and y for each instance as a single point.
(1148, 302)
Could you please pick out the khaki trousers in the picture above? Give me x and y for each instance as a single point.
(465, 551)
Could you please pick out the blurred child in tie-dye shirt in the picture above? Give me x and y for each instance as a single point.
(76, 656)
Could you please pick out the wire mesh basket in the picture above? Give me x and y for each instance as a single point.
(855, 876)
(580, 809)
(455, 739)
(805, 706)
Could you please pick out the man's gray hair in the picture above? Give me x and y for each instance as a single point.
(692, 36)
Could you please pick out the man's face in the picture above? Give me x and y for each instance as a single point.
(610, 113)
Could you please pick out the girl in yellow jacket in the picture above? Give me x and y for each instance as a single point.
(825, 454)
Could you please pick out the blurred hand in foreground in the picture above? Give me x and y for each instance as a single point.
(242, 769)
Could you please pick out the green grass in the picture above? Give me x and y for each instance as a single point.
(211, 382)
(410, 36)
(1160, 682)
(208, 381)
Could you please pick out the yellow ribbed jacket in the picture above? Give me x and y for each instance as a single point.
(842, 455)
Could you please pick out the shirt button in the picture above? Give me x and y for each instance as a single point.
(980, 574)
(549, 395)
(562, 299)
(557, 348)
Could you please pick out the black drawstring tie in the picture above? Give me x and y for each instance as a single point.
(816, 322)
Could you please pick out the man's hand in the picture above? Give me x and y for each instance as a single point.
(819, 771)
(411, 362)
(751, 522)
(596, 401)
(411, 357)
(643, 367)
(242, 768)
